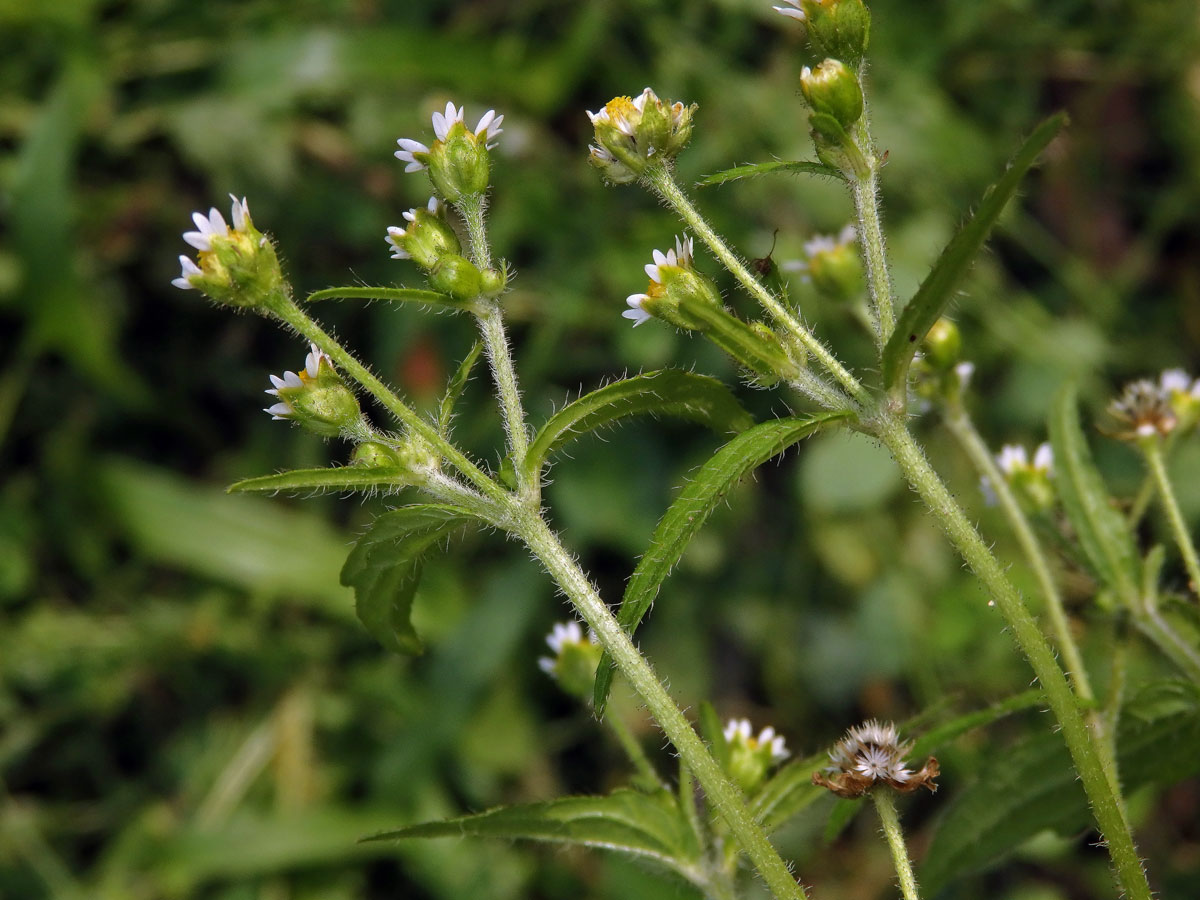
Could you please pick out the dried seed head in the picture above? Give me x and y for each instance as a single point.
(1145, 408)
(872, 754)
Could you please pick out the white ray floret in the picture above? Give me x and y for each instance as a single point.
(792, 12)
(189, 269)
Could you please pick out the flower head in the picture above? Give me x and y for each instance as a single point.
(631, 132)
(1032, 482)
(458, 160)
(674, 286)
(575, 658)
(872, 754)
(751, 756)
(1145, 409)
(426, 238)
(235, 265)
(832, 264)
(316, 397)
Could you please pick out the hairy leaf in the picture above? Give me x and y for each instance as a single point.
(691, 510)
(668, 392)
(1032, 787)
(751, 170)
(454, 389)
(342, 478)
(390, 294)
(384, 568)
(647, 825)
(1103, 532)
(935, 292)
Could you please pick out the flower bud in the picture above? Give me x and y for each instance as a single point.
(833, 89)
(492, 282)
(317, 398)
(631, 133)
(457, 276)
(837, 28)
(427, 237)
(942, 345)
(374, 455)
(458, 162)
(237, 265)
(575, 659)
(751, 757)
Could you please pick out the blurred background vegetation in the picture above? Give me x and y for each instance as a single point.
(188, 708)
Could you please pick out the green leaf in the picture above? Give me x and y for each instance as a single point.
(1103, 532)
(384, 568)
(936, 291)
(650, 826)
(691, 509)
(751, 170)
(454, 389)
(342, 478)
(1032, 787)
(667, 392)
(394, 295)
(713, 731)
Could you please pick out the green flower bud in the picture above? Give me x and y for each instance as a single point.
(630, 134)
(317, 398)
(427, 237)
(492, 282)
(236, 266)
(837, 28)
(457, 276)
(374, 455)
(575, 659)
(942, 345)
(750, 757)
(458, 162)
(833, 89)
(833, 265)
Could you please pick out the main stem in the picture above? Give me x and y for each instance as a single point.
(723, 794)
(1158, 468)
(662, 182)
(886, 804)
(866, 205)
(963, 429)
(1097, 782)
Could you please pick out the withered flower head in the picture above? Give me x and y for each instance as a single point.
(1145, 408)
(872, 754)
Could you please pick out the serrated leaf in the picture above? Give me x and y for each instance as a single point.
(751, 170)
(392, 295)
(647, 825)
(691, 509)
(342, 478)
(667, 392)
(1032, 787)
(1103, 532)
(454, 388)
(384, 568)
(936, 291)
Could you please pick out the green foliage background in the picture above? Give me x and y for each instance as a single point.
(188, 708)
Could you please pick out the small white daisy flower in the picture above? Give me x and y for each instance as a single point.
(312, 367)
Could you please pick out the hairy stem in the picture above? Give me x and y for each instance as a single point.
(1152, 450)
(865, 191)
(495, 341)
(1098, 783)
(968, 437)
(723, 794)
(664, 185)
(292, 315)
(886, 804)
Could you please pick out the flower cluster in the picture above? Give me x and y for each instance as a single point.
(870, 755)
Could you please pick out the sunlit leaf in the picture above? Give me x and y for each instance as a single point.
(691, 510)
(1103, 532)
(750, 170)
(667, 392)
(936, 291)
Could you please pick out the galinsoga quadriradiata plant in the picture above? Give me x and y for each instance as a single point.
(1053, 497)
